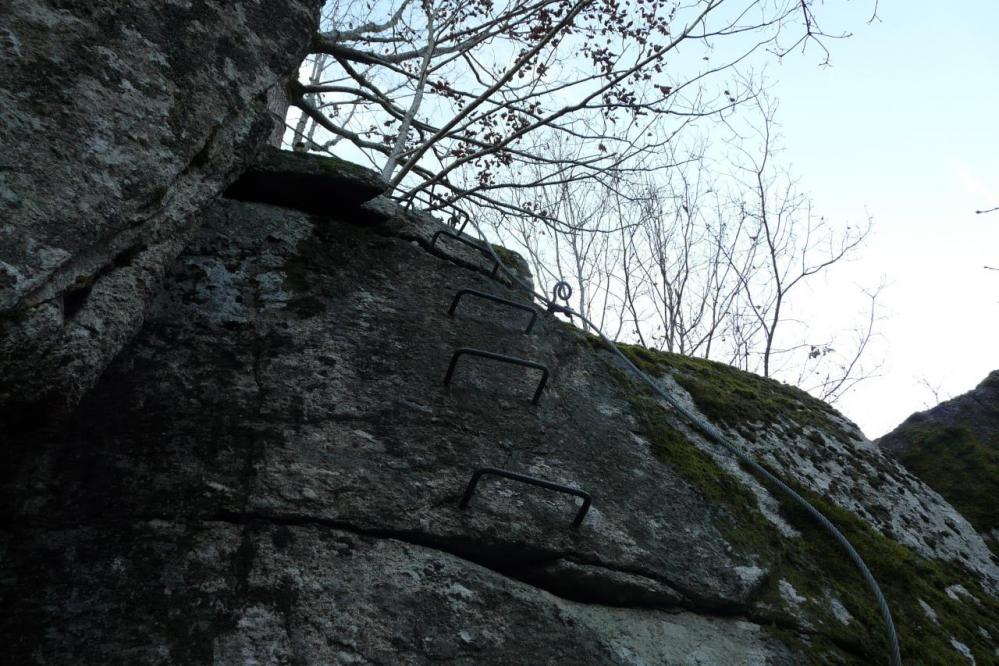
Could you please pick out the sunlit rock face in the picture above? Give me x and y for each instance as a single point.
(954, 448)
(119, 122)
(271, 472)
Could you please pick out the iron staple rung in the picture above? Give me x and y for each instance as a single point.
(469, 351)
(495, 299)
(468, 242)
(531, 480)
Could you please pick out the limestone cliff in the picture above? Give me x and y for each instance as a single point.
(954, 448)
(270, 472)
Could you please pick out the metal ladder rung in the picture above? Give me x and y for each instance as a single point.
(530, 480)
(495, 299)
(503, 358)
(468, 242)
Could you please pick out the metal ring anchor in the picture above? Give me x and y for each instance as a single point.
(463, 351)
(534, 481)
(563, 292)
(494, 299)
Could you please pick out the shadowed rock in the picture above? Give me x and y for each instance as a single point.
(120, 122)
(310, 183)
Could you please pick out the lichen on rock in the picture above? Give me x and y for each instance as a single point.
(317, 184)
(270, 468)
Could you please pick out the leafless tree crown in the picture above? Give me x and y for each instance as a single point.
(585, 132)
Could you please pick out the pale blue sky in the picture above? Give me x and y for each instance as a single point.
(903, 125)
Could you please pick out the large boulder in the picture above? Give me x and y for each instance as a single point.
(119, 121)
(272, 470)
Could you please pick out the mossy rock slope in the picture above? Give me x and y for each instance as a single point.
(943, 613)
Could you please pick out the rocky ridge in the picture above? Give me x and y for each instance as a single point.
(271, 470)
(954, 448)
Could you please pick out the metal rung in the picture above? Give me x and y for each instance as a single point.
(502, 358)
(468, 242)
(494, 299)
(550, 485)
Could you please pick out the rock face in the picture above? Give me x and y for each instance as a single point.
(954, 447)
(319, 185)
(119, 122)
(270, 472)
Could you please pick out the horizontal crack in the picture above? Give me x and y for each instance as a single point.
(518, 561)
(511, 562)
(521, 562)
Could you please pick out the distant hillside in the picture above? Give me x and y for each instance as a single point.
(954, 448)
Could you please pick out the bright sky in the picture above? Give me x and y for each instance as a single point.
(904, 125)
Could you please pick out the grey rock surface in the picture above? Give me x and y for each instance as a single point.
(271, 470)
(119, 122)
(260, 593)
(459, 244)
(851, 472)
(309, 183)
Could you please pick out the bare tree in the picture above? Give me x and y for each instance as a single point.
(444, 97)
(794, 244)
(705, 261)
(830, 370)
(935, 390)
(687, 237)
(577, 128)
(583, 250)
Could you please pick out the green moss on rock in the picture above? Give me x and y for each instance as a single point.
(506, 255)
(739, 399)
(814, 564)
(742, 524)
(952, 461)
(339, 167)
(326, 186)
(992, 381)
